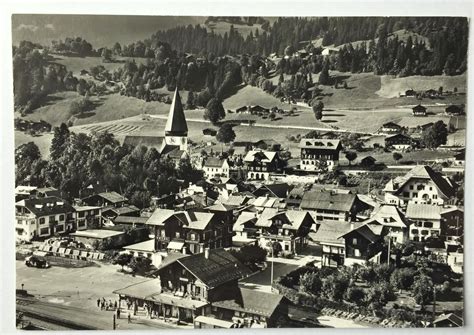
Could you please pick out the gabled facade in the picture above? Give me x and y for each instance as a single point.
(289, 228)
(425, 221)
(422, 185)
(316, 151)
(260, 164)
(399, 142)
(419, 110)
(362, 244)
(197, 230)
(393, 221)
(43, 217)
(215, 167)
(452, 224)
(328, 205)
(390, 128)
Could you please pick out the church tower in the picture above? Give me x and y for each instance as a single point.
(176, 129)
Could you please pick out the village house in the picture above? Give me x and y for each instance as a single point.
(24, 192)
(215, 167)
(362, 244)
(393, 221)
(111, 213)
(42, 217)
(329, 51)
(419, 110)
(266, 144)
(87, 216)
(452, 224)
(399, 142)
(420, 185)
(390, 128)
(260, 203)
(328, 236)
(276, 190)
(105, 200)
(245, 231)
(187, 285)
(330, 205)
(260, 164)
(425, 221)
(192, 230)
(289, 228)
(317, 151)
(455, 110)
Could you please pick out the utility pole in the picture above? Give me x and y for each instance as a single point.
(113, 324)
(389, 242)
(434, 303)
(271, 273)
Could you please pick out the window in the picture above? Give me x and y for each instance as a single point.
(414, 231)
(61, 217)
(354, 241)
(51, 218)
(162, 233)
(431, 188)
(44, 231)
(411, 187)
(42, 220)
(357, 252)
(406, 194)
(428, 224)
(424, 232)
(415, 195)
(192, 236)
(81, 214)
(177, 234)
(435, 196)
(420, 187)
(197, 290)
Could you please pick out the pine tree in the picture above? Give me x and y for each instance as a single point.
(324, 75)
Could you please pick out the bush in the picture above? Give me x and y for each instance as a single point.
(355, 294)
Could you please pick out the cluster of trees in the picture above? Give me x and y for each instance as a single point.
(250, 255)
(73, 45)
(77, 160)
(139, 265)
(435, 135)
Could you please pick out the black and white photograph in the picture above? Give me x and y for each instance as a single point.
(201, 172)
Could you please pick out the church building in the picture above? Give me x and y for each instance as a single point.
(175, 142)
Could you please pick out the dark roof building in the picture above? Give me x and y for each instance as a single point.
(330, 205)
(419, 110)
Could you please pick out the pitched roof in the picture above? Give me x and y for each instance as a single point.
(389, 215)
(244, 218)
(263, 156)
(141, 290)
(176, 122)
(294, 217)
(46, 206)
(330, 232)
(320, 143)
(112, 197)
(297, 217)
(214, 162)
(423, 211)
(327, 201)
(123, 210)
(219, 268)
(130, 219)
(159, 216)
(453, 318)
(365, 231)
(190, 219)
(252, 301)
(278, 190)
(425, 172)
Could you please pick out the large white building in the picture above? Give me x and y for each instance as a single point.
(422, 185)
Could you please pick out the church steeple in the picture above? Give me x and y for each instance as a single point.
(176, 123)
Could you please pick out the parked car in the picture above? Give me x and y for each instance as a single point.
(37, 262)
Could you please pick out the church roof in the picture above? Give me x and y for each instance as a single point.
(176, 120)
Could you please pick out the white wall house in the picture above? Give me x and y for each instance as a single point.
(216, 167)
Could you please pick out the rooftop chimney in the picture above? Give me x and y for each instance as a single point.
(206, 253)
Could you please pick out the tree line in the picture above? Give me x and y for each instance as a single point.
(78, 160)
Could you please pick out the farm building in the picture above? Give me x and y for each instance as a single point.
(419, 110)
(390, 128)
(455, 110)
(399, 142)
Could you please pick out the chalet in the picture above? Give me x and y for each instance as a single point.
(243, 109)
(187, 286)
(362, 244)
(196, 230)
(295, 196)
(24, 192)
(425, 221)
(455, 110)
(260, 164)
(216, 167)
(452, 224)
(260, 203)
(316, 151)
(328, 236)
(111, 213)
(87, 216)
(259, 109)
(390, 128)
(244, 229)
(44, 192)
(128, 221)
(276, 190)
(419, 110)
(223, 213)
(399, 142)
(251, 308)
(330, 205)
(392, 221)
(289, 228)
(420, 185)
(105, 199)
(42, 217)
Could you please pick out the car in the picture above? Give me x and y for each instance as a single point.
(37, 262)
